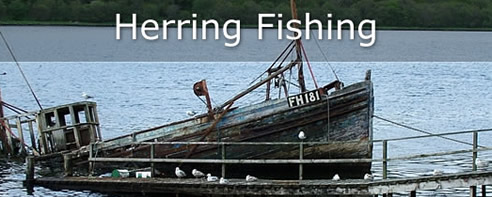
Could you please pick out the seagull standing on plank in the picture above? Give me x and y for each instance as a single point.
(368, 176)
(191, 113)
(197, 174)
(437, 172)
(179, 173)
(86, 96)
(211, 178)
(336, 177)
(302, 135)
(223, 180)
(250, 178)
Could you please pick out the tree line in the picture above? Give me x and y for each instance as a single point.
(388, 13)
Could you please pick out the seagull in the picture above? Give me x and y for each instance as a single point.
(86, 96)
(368, 176)
(437, 172)
(336, 177)
(223, 180)
(179, 173)
(211, 178)
(197, 173)
(301, 135)
(481, 164)
(191, 113)
(250, 178)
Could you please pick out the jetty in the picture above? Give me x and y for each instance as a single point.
(476, 177)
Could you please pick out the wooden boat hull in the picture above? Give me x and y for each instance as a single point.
(350, 122)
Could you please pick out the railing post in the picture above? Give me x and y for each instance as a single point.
(91, 163)
(473, 191)
(223, 158)
(301, 157)
(484, 190)
(475, 146)
(385, 157)
(152, 165)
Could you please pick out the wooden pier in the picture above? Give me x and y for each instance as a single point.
(192, 186)
(471, 178)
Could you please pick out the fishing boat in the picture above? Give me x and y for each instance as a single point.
(333, 113)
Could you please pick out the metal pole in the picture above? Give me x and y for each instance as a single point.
(301, 157)
(152, 165)
(223, 158)
(385, 157)
(475, 145)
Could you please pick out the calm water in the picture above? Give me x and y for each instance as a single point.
(131, 96)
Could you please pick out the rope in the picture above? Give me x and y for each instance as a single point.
(20, 69)
(309, 65)
(422, 131)
(326, 59)
(23, 143)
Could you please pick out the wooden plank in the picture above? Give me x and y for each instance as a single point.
(21, 136)
(9, 137)
(76, 132)
(32, 136)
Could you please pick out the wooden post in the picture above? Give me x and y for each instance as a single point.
(32, 136)
(413, 194)
(484, 190)
(9, 137)
(385, 157)
(67, 164)
(152, 165)
(91, 163)
(30, 169)
(21, 136)
(475, 146)
(301, 156)
(223, 158)
(76, 133)
(96, 120)
(473, 191)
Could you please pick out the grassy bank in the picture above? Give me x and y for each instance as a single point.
(245, 26)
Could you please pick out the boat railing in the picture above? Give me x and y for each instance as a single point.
(225, 161)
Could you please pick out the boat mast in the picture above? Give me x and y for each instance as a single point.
(302, 84)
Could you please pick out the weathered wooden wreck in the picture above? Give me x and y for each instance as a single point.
(331, 113)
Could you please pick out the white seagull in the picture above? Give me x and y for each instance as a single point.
(336, 177)
(437, 172)
(211, 178)
(301, 135)
(250, 178)
(86, 96)
(223, 180)
(191, 113)
(368, 176)
(197, 173)
(482, 164)
(179, 173)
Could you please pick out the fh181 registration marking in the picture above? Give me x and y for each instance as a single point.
(304, 98)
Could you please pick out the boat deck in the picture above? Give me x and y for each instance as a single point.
(270, 187)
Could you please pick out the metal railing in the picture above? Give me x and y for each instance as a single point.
(223, 161)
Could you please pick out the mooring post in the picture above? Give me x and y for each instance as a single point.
(21, 136)
(152, 165)
(413, 194)
(301, 157)
(67, 164)
(475, 146)
(30, 169)
(473, 191)
(484, 190)
(223, 158)
(385, 157)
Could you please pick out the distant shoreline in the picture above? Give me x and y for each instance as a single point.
(245, 26)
